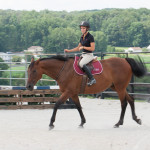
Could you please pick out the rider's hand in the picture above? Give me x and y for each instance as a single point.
(80, 48)
(66, 50)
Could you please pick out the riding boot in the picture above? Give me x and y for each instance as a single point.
(89, 74)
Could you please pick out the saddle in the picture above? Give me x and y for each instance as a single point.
(95, 66)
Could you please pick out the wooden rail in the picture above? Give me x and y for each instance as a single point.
(135, 95)
(142, 96)
(24, 99)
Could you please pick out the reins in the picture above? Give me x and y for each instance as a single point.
(58, 75)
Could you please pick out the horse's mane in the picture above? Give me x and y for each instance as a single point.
(58, 57)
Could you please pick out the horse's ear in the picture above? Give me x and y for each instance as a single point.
(38, 61)
(32, 59)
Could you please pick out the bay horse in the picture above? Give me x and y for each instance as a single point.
(117, 73)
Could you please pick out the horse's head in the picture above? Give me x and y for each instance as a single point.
(34, 74)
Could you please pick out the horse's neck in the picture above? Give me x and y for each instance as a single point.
(51, 67)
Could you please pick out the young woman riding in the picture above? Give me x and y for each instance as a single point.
(87, 45)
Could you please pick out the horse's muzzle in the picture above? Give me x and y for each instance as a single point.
(29, 87)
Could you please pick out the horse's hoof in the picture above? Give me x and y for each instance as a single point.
(81, 126)
(116, 126)
(139, 121)
(51, 127)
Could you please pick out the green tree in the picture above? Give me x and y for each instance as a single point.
(100, 41)
(58, 30)
(3, 66)
(61, 38)
(16, 59)
(137, 34)
(110, 48)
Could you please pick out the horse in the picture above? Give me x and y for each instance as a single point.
(117, 73)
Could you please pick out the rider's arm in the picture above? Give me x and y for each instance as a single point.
(74, 49)
(91, 48)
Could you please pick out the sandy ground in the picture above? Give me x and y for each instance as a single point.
(28, 129)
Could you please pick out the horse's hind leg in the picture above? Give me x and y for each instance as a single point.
(130, 100)
(123, 108)
(75, 98)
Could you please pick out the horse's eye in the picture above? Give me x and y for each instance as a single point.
(34, 71)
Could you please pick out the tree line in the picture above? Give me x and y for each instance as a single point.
(55, 31)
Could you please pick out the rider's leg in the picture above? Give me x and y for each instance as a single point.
(86, 58)
(89, 74)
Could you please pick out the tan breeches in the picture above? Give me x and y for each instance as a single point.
(86, 58)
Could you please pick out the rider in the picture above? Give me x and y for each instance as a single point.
(87, 45)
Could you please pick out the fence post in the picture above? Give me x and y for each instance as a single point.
(26, 64)
(10, 70)
(102, 55)
(102, 95)
(132, 86)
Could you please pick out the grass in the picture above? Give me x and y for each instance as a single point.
(18, 68)
(120, 49)
(21, 73)
(144, 57)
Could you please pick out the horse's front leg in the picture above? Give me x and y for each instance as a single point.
(61, 100)
(79, 108)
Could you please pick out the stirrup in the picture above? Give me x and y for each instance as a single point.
(91, 82)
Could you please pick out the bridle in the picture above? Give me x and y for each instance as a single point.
(59, 74)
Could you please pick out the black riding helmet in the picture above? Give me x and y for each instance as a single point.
(85, 24)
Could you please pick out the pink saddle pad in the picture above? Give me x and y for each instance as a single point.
(97, 67)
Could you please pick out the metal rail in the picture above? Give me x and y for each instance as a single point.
(101, 55)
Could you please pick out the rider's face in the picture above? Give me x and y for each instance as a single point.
(83, 29)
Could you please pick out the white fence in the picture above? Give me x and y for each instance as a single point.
(18, 67)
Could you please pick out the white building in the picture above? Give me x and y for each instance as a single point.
(35, 49)
(5, 56)
(148, 48)
(133, 49)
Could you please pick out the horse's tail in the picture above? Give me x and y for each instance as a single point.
(138, 67)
